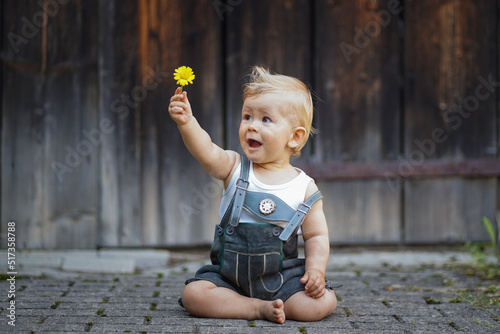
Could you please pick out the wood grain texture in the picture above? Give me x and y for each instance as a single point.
(358, 118)
(451, 50)
(120, 97)
(357, 80)
(362, 212)
(451, 113)
(186, 197)
(448, 210)
(50, 97)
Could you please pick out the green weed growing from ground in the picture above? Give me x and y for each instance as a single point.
(487, 255)
(485, 299)
(487, 267)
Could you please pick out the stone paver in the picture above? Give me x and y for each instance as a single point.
(375, 298)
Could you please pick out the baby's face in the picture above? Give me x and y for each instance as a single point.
(264, 129)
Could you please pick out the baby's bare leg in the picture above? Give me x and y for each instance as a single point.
(205, 299)
(300, 307)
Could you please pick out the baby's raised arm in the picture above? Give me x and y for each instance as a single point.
(216, 161)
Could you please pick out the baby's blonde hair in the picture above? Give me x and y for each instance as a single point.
(298, 98)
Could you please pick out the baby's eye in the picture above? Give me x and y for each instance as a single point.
(247, 117)
(266, 120)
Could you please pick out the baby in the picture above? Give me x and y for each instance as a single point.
(255, 272)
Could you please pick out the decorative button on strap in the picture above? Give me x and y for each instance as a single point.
(267, 206)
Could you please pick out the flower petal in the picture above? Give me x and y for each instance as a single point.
(184, 75)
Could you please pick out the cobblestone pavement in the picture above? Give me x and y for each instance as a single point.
(383, 299)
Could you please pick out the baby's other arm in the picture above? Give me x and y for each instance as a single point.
(217, 162)
(316, 246)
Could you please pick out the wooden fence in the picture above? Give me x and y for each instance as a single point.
(407, 115)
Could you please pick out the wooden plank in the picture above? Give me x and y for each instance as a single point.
(149, 26)
(71, 112)
(358, 118)
(121, 93)
(18, 184)
(497, 204)
(358, 80)
(71, 199)
(18, 153)
(356, 216)
(3, 223)
(451, 54)
(273, 34)
(176, 33)
(448, 210)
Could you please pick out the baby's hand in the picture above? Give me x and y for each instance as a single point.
(315, 283)
(179, 108)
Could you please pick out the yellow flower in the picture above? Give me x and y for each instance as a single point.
(184, 75)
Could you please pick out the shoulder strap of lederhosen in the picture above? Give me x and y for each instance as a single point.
(233, 212)
(299, 216)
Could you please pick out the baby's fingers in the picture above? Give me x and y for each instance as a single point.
(179, 96)
(313, 280)
(305, 278)
(317, 293)
(313, 285)
(176, 98)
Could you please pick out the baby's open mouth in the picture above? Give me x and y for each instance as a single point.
(253, 143)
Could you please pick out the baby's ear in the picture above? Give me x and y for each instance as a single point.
(298, 135)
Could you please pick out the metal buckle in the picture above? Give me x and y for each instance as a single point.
(302, 211)
(244, 181)
(308, 208)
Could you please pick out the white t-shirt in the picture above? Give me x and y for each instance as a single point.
(292, 193)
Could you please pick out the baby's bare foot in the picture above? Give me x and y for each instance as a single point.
(273, 311)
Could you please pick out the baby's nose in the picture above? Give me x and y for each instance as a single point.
(253, 126)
